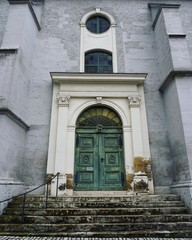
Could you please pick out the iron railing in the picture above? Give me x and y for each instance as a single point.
(47, 184)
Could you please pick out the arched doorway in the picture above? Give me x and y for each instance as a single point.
(99, 157)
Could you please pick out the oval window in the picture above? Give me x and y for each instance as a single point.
(97, 24)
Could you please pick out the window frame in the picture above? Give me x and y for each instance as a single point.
(98, 65)
(98, 27)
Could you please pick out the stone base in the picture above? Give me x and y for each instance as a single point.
(184, 189)
(58, 185)
(162, 189)
(8, 189)
(140, 183)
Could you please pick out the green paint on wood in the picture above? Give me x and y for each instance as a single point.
(99, 163)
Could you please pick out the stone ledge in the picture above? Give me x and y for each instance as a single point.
(176, 35)
(14, 117)
(160, 6)
(171, 77)
(30, 8)
(182, 184)
(9, 181)
(17, 1)
(9, 50)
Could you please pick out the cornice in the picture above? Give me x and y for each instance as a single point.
(134, 78)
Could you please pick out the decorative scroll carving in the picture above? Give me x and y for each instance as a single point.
(134, 102)
(63, 100)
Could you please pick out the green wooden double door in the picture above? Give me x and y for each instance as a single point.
(99, 162)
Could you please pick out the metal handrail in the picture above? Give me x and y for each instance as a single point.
(25, 194)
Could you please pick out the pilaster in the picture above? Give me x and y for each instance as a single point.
(61, 143)
(61, 146)
(134, 105)
(142, 173)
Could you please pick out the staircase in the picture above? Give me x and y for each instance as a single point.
(108, 216)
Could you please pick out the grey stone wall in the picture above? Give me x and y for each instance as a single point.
(176, 135)
(185, 13)
(12, 144)
(56, 48)
(15, 67)
(8, 189)
(4, 7)
(173, 52)
(184, 88)
(139, 51)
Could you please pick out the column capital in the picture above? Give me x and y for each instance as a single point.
(62, 100)
(134, 102)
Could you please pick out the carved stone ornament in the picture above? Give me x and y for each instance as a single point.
(63, 100)
(99, 100)
(134, 102)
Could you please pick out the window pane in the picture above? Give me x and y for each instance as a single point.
(103, 24)
(99, 116)
(97, 24)
(98, 62)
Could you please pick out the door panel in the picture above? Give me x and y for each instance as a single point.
(99, 162)
(112, 162)
(86, 161)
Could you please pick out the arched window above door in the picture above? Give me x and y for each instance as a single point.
(99, 116)
(98, 62)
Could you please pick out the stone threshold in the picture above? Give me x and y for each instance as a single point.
(102, 193)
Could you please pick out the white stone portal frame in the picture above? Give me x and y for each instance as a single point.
(75, 92)
(104, 41)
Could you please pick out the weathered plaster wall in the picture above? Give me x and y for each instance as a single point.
(9, 188)
(186, 18)
(54, 52)
(15, 67)
(174, 54)
(139, 50)
(4, 6)
(176, 135)
(56, 48)
(11, 148)
(184, 86)
(181, 137)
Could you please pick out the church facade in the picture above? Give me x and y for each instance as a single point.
(98, 92)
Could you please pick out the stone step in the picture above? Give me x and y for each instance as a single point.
(96, 227)
(122, 204)
(119, 235)
(97, 219)
(108, 216)
(125, 234)
(97, 211)
(112, 198)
